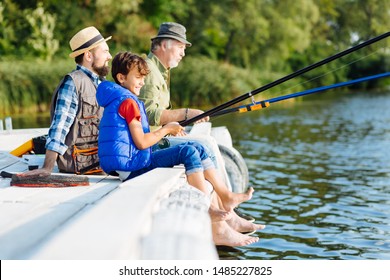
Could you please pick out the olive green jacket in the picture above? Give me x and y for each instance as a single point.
(155, 93)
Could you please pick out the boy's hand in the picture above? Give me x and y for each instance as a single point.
(175, 129)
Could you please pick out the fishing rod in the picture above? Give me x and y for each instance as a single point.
(266, 103)
(283, 79)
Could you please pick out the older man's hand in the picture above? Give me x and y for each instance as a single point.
(195, 112)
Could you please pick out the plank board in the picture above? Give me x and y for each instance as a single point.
(116, 223)
(29, 215)
(148, 217)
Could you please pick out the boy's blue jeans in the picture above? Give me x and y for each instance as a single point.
(173, 141)
(192, 154)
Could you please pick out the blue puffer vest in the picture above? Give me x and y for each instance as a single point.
(117, 151)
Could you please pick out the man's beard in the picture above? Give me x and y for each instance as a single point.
(173, 64)
(101, 71)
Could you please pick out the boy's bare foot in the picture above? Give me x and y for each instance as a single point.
(217, 215)
(241, 225)
(234, 199)
(224, 235)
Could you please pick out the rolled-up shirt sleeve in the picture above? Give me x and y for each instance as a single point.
(155, 93)
(151, 99)
(64, 116)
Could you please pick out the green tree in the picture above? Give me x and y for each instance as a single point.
(369, 18)
(268, 38)
(131, 32)
(251, 33)
(42, 25)
(12, 30)
(6, 33)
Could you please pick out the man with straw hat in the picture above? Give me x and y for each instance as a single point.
(74, 109)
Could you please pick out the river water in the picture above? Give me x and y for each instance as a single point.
(320, 167)
(321, 172)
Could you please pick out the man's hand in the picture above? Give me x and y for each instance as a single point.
(195, 112)
(48, 165)
(41, 172)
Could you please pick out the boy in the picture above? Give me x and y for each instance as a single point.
(125, 141)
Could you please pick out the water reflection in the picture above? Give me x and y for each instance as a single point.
(41, 120)
(321, 172)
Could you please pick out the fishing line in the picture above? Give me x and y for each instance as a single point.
(331, 71)
(221, 113)
(266, 103)
(250, 94)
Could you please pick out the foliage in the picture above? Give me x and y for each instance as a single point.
(266, 38)
(30, 85)
(42, 32)
(6, 32)
(201, 81)
(127, 36)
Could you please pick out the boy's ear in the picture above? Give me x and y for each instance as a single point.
(120, 77)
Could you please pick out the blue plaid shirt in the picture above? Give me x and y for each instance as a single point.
(65, 112)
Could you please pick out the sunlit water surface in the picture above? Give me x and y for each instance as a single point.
(321, 172)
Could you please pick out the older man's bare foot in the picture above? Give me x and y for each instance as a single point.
(232, 199)
(217, 215)
(241, 225)
(224, 235)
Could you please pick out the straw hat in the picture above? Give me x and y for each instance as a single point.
(85, 40)
(173, 30)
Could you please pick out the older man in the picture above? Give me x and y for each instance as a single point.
(167, 50)
(75, 113)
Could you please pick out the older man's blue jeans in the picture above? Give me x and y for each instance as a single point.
(192, 154)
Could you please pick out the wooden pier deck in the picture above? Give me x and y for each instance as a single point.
(153, 216)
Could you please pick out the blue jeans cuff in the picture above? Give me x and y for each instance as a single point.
(207, 164)
(194, 170)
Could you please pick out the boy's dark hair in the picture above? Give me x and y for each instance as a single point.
(123, 62)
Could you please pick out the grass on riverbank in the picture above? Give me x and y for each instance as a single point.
(198, 81)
